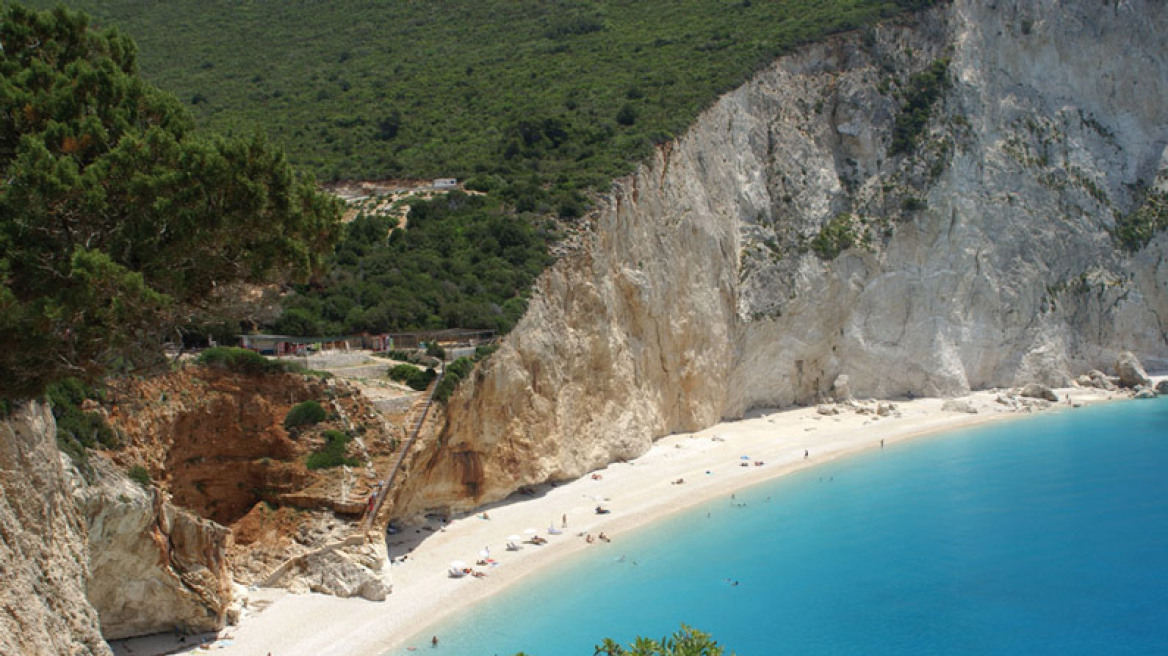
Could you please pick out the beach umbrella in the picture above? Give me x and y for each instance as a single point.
(530, 531)
(485, 554)
(457, 565)
(513, 538)
(746, 457)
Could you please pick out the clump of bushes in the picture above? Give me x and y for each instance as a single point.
(836, 236)
(333, 452)
(139, 475)
(416, 378)
(924, 89)
(242, 361)
(78, 430)
(304, 414)
(413, 357)
(457, 370)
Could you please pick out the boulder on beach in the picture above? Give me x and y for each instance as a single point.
(1096, 379)
(1039, 391)
(1131, 372)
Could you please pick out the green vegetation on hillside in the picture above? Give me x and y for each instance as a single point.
(416, 377)
(1133, 231)
(924, 90)
(115, 219)
(332, 454)
(535, 99)
(306, 413)
(535, 103)
(78, 429)
(462, 262)
(835, 237)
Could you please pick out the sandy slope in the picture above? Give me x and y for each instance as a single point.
(637, 492)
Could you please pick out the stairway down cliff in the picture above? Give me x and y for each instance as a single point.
(931, 206)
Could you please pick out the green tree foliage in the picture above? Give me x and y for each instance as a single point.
(116, 219)
(460, 263)
(686, 642)
(243, 361)
(458, 370)
(304, 414)
(513, 88)
(333, 452)
(79, 430)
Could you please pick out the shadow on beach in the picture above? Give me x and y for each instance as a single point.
(402, 538)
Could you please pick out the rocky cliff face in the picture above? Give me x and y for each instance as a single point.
(154, 567)
(927, 207)
(43, 562)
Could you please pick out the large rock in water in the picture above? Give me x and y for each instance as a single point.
(43, 557)
(1131, 372)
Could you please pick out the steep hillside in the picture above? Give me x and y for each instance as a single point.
(565, 92)
(959, 201)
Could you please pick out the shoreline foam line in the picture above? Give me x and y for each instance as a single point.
(636, 492)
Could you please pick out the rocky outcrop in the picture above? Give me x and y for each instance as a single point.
(805, 227)
(1096, 379)
(350, 569)
(1131, 372)
(1038, 391)
(155, 567)
(214, 442)
(42, 546)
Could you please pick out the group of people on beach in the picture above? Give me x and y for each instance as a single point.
(602, 537)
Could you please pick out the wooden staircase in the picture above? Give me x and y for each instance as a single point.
(367, 523)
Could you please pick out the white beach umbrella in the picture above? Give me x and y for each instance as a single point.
(513, 538)
(530, 531)
(458, 565)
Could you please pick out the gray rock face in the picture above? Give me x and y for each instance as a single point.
(43, 550)
(154, 566)
(841, 389)
(980, 255)
(1038, 391)
(1131, 372)
(1162, 387)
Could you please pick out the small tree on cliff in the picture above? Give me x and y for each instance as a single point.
(115, 219)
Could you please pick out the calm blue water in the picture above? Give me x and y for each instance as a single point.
(1041, 536)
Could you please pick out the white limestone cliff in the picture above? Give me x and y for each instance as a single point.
(154, 567)
(42, 545)
(983, 257)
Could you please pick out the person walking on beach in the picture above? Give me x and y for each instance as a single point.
(564, 521)
(434, 641)
(806, 453)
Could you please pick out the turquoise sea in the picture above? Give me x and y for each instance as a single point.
(1046, 535)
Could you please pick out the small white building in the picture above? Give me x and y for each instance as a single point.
(445, 183)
